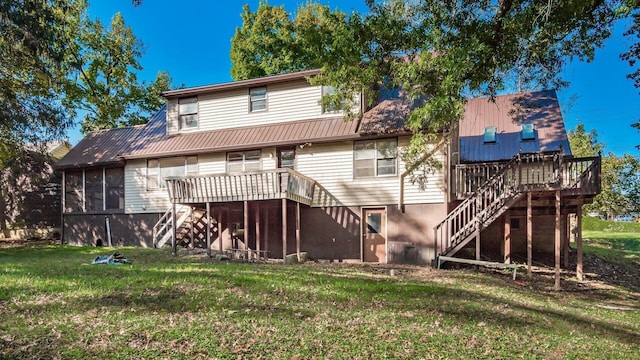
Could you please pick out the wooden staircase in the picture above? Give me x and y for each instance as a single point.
(523, 173)
(191, 224)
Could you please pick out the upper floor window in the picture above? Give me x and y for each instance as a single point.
(258, 99)
(287, 158)
(329, 101)
(159, 169)
(528, 132)
(240, 161)
(188, 113)
(375, 158)
(490, 134)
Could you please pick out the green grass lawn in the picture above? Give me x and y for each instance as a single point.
(616, 242)
(52, 305)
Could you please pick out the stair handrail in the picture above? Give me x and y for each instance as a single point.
(163, 224)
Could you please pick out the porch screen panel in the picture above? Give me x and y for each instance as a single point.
(93, 190)
(73, 191)
(114, 186)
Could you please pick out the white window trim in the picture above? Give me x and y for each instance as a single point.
(189, 100)
(159, 172)
(375, 160)
(244, 160)
(266, 99)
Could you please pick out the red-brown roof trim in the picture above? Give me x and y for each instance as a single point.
(240, 84)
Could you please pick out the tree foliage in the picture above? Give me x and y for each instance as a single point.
(34, 70)
(633, 55)
(106, 86)
(441, 49)
(620, 175)
(55, 61)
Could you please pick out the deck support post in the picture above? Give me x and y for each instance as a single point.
(266, 233)
(565, 241)
(284, 229)
(529, 234)
(579, 273)
(258, 230)
(246, 227)
(174, 247)
(208, 234)
(298, 230)
(557, 242)
(220, 228)
(507, 238)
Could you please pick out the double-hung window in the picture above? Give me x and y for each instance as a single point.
(258, 99)
(159, 169)
(329, 100)
(287, 158)
(375, 158)
(188, 113)
(241, 161)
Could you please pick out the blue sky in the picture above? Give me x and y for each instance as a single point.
(192, 41)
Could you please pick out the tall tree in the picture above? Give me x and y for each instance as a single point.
(620, 174)
(447, 50)
(34, 70)
(106, 86)
(263, 45)
(633, 55)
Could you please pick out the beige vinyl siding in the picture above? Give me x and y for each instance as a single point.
(434, 191)
(331, 165)
(172, 116)
(285, 102)
(136, 197)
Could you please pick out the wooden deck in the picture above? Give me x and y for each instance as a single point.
(249, 186)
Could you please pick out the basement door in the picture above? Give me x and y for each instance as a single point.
(374, 235)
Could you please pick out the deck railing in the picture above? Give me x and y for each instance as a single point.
(258, 185)
(503, 187)
(577, 175)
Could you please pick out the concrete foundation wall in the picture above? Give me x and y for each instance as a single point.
(126, 229)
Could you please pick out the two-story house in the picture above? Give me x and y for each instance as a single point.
(260, 165)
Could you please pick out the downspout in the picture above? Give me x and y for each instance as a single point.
(412, 168)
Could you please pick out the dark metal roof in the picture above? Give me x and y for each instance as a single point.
(154, 142)
(100, 148)
(389, 115)
(507, 114)
(240, 84)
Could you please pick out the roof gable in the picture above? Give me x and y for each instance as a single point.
(508, 113)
